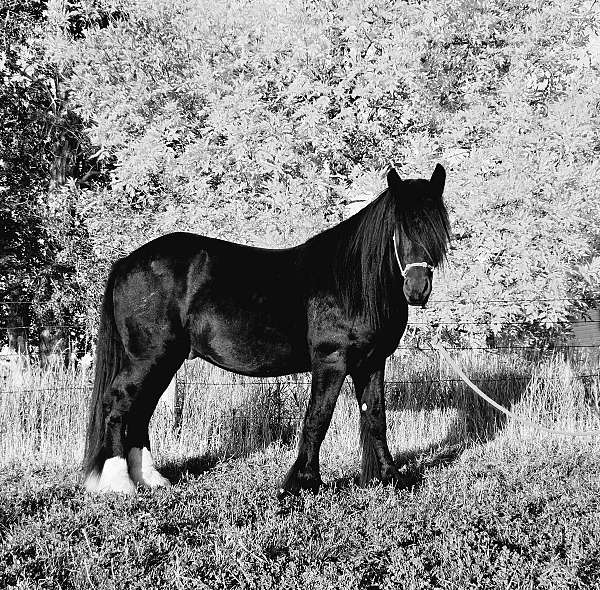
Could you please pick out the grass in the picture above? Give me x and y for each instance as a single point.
(483, 503)
(497, 517)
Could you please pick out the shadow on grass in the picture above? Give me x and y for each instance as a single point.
(179, 469)
(475, 422)
(246, 437)
(413, 466)
(241, 434)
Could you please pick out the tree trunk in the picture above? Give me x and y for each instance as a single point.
(65, 145)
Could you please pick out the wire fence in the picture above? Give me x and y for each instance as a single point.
(433, 323)
(497, 349)
(431, 304)
(282, 398)
(472, 340)
(540, 347)
(279, 401)
(459, 300)
(271, 382)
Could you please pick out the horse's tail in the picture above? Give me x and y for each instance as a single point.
(110, 354)
(370, 468)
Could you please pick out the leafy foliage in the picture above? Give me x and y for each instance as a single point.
(42, 237)
(259, 122)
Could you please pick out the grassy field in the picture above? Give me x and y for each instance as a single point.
(483, 503)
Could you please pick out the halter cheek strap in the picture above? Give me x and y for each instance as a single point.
(410, 265)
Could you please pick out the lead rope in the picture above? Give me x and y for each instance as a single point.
(444, 354)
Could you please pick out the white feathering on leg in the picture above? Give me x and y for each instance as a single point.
(143, 472)
(114, 478)
(91, 482)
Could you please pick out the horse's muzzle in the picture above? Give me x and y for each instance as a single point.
(417, 290)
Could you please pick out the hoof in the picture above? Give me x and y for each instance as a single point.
(390, 475)
(142, 470)
(113, 479)
(91, 483)
(387, 475)
(124, 487)
(154, 479)
(297, 481)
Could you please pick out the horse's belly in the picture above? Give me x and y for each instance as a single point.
(250, 348)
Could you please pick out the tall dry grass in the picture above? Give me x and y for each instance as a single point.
(43, 412)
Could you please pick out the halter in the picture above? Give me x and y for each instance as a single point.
(410, 265)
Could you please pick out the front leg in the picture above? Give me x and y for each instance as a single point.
(377, 461)
(328, 375)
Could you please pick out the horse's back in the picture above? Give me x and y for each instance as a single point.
(239, 307)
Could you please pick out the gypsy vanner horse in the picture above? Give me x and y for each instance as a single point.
(335, 305)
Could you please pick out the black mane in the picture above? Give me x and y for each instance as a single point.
(364, 267)
(424, 221)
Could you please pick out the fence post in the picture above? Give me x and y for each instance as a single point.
(178, 399)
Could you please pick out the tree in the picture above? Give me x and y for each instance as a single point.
(258, 122)
(41, 147)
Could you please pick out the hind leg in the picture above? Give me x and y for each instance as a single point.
(139, 458)
(128, 406)
(117, 402)
(142, 469)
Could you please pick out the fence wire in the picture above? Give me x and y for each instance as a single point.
(433, 324)
(458, 300)
(395, 382)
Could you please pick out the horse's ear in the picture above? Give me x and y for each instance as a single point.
(438, 179)
(393, 179)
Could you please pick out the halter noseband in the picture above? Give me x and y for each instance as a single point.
(410, 265)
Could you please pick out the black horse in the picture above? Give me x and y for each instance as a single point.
(336, 305)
